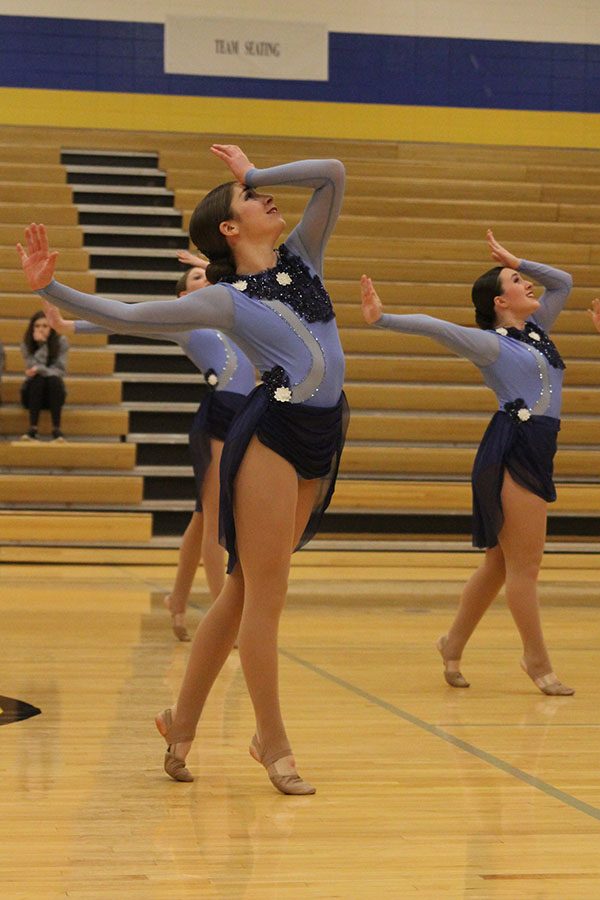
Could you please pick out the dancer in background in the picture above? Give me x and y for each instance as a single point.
(230, 376)
(44, 353)
(281, 455)
(513, 470)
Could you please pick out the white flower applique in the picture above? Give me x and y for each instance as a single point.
(502, 331)
(240, 285)
(283, 394)
(534, 336)
(524, 415)
(283, 278)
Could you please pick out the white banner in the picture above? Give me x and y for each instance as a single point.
(246, 48)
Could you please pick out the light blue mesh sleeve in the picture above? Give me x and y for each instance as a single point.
(480, 347)
(210, 307)
(558, 286)
(327, 178)
(176, 337)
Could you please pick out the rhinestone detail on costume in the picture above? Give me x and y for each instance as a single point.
(534, 336)
(231, 363)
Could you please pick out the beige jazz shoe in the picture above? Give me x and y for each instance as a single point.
(452, 672)
(549, 684)
(174, 766)
(177, 622)
(286, 782)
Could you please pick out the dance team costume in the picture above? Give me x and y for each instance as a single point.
(230, 377)
(525, 371)
(283, 319)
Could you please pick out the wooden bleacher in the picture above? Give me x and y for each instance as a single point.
(414, 218)
(48, 490)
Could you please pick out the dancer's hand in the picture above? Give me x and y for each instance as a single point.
(55, 320)
(235, 158)
(31, 371)
(37, 261)
(500, 253)
(595, 313)
(372, 307)
(188, 259)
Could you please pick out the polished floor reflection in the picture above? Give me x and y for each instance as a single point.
(426, 792)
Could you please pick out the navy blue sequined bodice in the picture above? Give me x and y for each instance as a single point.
(289, 282)
(536, 337)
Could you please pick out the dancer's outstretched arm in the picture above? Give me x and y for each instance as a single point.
(480, 347)
(209, 307)
(81, 326)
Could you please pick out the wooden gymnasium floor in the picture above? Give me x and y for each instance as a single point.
(423, 791)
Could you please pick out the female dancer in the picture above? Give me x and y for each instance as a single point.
(45, 355)
(282, 452)
(230, 377)
(512, 473)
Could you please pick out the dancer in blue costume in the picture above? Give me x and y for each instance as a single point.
(230, 377)
(282, 453)
(512, 475)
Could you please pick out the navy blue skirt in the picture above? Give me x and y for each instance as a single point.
(524, 449)
(212, 420)
(310, 438)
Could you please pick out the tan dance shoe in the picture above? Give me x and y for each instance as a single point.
(286, 782)
(452, 672)
(175, 767)
(549, 684)
(177, 622)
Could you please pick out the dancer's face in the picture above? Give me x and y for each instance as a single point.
(196, 279)
(517, 295)
(254, 215)
(41, 330)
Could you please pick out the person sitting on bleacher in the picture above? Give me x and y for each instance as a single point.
(45, 355)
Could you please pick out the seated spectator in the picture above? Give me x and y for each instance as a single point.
(45, 356)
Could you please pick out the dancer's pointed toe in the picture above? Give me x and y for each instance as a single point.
(174, 765)
(281, 770)
(452, 673)
(549, 684)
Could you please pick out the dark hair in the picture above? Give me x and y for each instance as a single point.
(483, 292)
(205, 234)
(52, 341)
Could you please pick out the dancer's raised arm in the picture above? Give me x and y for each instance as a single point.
(557, 283)
(325, 176)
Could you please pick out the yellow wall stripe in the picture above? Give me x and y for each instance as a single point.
(355, 121)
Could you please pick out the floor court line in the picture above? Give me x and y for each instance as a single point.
(436, 731)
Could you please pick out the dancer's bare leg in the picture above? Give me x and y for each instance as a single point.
(210, 648)
(187, 565)
(200, 541)
(478, 593)
(270, 515)
(522, 540)
(271, 512)
(213, 555)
